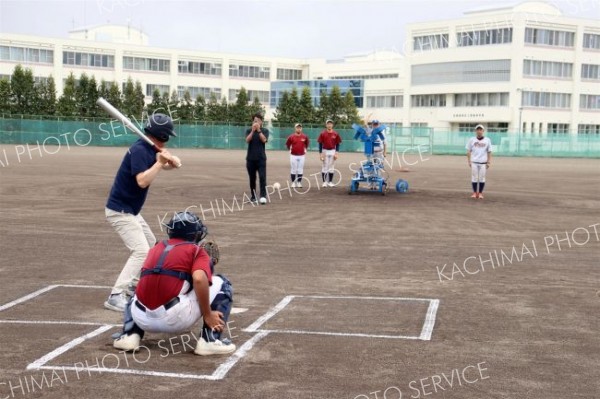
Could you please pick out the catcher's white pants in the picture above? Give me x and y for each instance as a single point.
(138, 238)
(180, 317)
(329, 162)
(478, 172)
(297, 163)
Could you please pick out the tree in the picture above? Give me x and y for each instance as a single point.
(185, 110)
(256, 108)
(324, 111)
(5, 96)
(239, 112)
(91, 98)
(306, 111)
(349, 110)
(336, 105)
(67, 104)
(23, 91)
(114, 96)
(199, 111)
(129, 99)
(294, 106)
(139, 100)
(81, 93)
(216, 112)
(155, 104)
(282, 114)
(47, 104)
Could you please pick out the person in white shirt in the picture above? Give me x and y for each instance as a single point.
(479, 156)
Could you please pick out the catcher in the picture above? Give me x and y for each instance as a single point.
(177, 288)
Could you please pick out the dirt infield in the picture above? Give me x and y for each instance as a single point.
(367, 308)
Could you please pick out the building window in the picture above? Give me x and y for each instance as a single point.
(26, 55)
(545, 100)
(548, 69)
(248, 71)
(481, 100)
(591, 41)
(146, 64)
(461, 72)
(289, 74)
(263, 96)
(196, 91)
(428, 100)
(430, 42)
(588, 129)
(484, 37)
(199, 68)
(161, 88)
(589, 101)
(88, 59)
(491, 127)
(590, 72)
(558, 128)
(385, 101)
(547, 37)
(376, 76)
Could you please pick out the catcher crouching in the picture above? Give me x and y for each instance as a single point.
(177, 287)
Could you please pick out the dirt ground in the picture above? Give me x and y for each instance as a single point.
(527, 328)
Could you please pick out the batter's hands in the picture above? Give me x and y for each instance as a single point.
(215, 321)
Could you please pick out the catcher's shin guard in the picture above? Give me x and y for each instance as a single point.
(222, 303)
(129, 326)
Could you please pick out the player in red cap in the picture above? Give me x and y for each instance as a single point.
(297, 143)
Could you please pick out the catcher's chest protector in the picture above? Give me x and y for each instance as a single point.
(158, 268)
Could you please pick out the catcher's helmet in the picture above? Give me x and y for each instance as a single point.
(188, 226)
(160, 126)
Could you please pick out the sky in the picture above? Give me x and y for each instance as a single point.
(281, 28)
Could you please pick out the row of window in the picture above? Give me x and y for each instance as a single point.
(563, 128)
(289, 74)
(481, 100)
(536, 36)
(88, 59)
(367, 77)
(545, 100)
(263, 95)
(491, 127)
(547, 69)
(385, 101)
(249, 71)
(199, 68)
(24, 54)
(146, 64)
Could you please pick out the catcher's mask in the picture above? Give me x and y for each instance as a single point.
(188, 226)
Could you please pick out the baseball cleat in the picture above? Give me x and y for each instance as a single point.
(213, 348)
(480, 196)
(331, 184)
(116, 302)
(127, 342)
(263, 200)
(294, 184)
(474, 195)
(325, 184)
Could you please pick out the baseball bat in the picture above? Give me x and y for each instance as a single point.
(115, 113)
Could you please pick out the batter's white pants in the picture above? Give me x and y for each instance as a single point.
(297, 164)
(478, 172)
(180, 317)
(329, 162)
(138, 238)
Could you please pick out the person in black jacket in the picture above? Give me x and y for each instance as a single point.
(256, 159)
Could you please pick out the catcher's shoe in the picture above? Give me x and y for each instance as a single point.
(127, 342)
(116, 302)
(213, 348)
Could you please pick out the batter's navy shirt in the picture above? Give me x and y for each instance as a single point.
(126, 195)
(256, 148)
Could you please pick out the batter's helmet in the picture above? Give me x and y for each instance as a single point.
(160, 126)
(188, 226)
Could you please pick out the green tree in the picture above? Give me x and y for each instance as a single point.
(67, 104)
(239, 112)
(156, 102)
(200, 108)
(23, 90)
(92, 96)
(81, 95)
(114, 96)
(255, 108)
(350, 110)
(324, 110)
(129, 99)
(294, 106)
(139, 101)
(215, 111)
(5, 96)
(307, 111)
(282, 113)
(185, 110)
(47, 97)
(103, 89)
(336, 105)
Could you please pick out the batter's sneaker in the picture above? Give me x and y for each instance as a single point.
(213, 348)
(116, 302)
(474, 195)
(263, 201)
(127, 342)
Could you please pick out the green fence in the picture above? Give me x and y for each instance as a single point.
(103, 132)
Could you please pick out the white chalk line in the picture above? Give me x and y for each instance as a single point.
(62, 349)
(129, 371)
(240, 353)
(53, 322)
(238, 310)
(46, 289)
(336, 334)
(365, 297)
(429, 320)
(272, 312)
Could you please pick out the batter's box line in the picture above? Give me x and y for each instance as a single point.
(44, 290)
(219, 373)
(425, 335)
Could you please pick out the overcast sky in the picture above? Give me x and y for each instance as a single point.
(286, 28)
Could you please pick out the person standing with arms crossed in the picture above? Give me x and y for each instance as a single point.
(329, 140)
(297, 143)
(256, 158)
(139, 168)
(479, 156)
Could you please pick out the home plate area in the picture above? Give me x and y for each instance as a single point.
(76, 333)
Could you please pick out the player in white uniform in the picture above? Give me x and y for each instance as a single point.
(479, 156)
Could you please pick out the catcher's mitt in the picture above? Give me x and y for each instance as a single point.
(212, 249)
